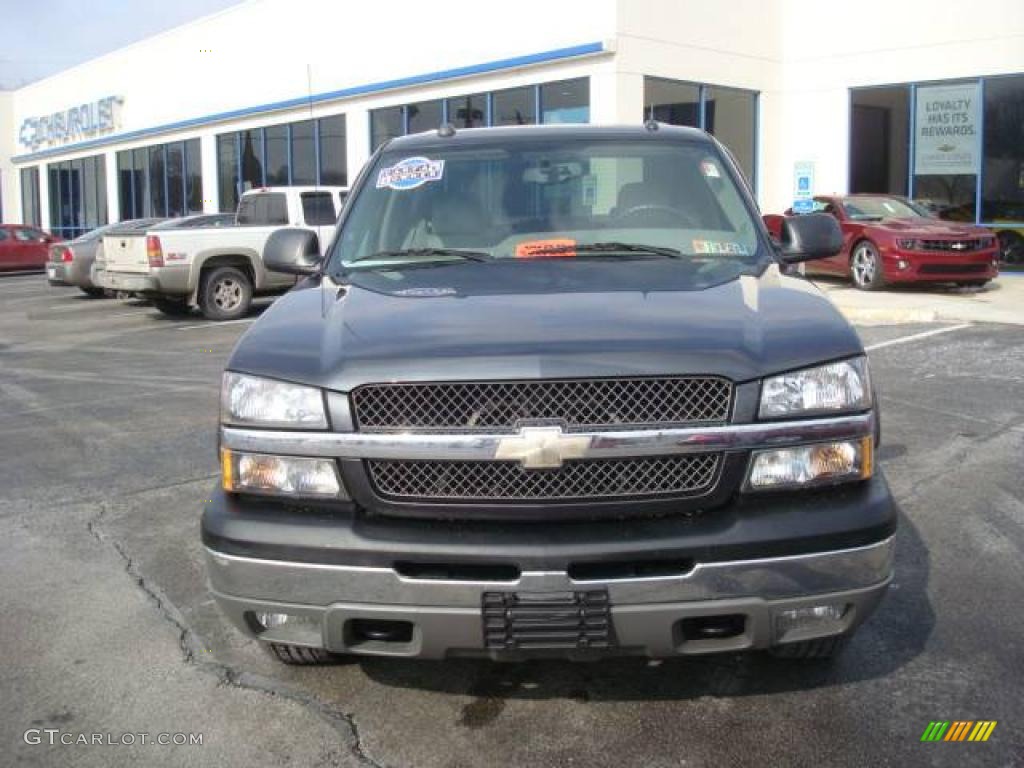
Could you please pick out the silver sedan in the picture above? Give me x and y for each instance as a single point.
(70, 262)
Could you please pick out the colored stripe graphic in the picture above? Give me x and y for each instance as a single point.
(982, 730)
(959, 730)
(935, 730)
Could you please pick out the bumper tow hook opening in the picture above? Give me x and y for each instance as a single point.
(378, 631)
(713, 627)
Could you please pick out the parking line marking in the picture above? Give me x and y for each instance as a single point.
(916, 336)
(214, 324)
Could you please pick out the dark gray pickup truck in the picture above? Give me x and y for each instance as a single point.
(550, 391)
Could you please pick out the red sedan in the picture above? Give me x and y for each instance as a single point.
(23, 247)
(885, 240)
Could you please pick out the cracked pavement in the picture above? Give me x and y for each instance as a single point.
(107, 442)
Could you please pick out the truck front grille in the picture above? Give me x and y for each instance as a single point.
(578, 404)
(508, 481)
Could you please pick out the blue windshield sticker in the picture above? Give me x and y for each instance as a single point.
(410, 173)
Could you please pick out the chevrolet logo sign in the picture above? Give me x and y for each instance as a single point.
(542, 447)
(958, 246)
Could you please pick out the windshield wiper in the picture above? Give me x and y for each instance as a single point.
(414, 253)
(614, 247)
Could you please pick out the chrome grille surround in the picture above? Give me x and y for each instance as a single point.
(508, 481)
(577, 404)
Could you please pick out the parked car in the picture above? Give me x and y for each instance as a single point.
(887, 240)
(549, 392)
(1004, 219)
(24, 247)
(215, 268)
(71, 262)
(199, 221)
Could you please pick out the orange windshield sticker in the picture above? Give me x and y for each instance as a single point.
(544, 249)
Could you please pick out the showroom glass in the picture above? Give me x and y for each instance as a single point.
(303, 153)
(467, 111)
(333, 151)
(424, 116)
(565, 102)
(729, 114)
(275, 142)
(30, 207)
(515, 106)
(252, 159)
(880, 139)
(227, 171)
(496, 198)
(78, 195)
(1002, 192)
(160, 180)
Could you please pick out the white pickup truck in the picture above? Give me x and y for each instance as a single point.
(218, 269)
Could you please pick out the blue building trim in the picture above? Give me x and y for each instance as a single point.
(344, 93)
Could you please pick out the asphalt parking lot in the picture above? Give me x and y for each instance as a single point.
(107, 450)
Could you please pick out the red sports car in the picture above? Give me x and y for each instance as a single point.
(24, 247)
(886, 240)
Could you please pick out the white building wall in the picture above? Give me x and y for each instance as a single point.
(10, 198)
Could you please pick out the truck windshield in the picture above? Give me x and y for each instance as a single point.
(554, 199)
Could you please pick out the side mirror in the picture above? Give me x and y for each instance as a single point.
(810, 236)
(293, 251)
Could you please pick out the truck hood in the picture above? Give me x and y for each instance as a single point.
(541, 320)
(922, 227)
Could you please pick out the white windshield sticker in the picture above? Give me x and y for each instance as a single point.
(410, 173)
(709, 169)
(719, 248)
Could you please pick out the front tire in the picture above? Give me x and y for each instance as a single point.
(866, 267)
(92, 291)
(300, 655)
(225, 293)
(822, 648)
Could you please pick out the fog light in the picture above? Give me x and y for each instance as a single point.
(902, 264)
(279, 475)
(271, 620)
(809, 465)
(813, 617)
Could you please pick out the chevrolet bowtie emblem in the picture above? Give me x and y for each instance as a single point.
(542, 447)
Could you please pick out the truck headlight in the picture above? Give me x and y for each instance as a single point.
(279, 475)
(831, 388)
(255, 401)
(809, 465)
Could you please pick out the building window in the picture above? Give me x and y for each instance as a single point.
(565, 102)
(728, 114)
(227, 171)
(880, 140)
(303, 153)
(275, 139)
(424, 116)
(467, 111)
(77, 195)
(515, 106)
(30, 210)
(386, 124)
(160, 180)
(333, 151)
(1002, 189)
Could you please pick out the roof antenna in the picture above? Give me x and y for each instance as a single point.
(446, 130)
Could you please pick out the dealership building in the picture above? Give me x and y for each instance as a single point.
(918, 98)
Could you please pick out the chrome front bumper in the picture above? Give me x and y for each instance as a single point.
(646, 612)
